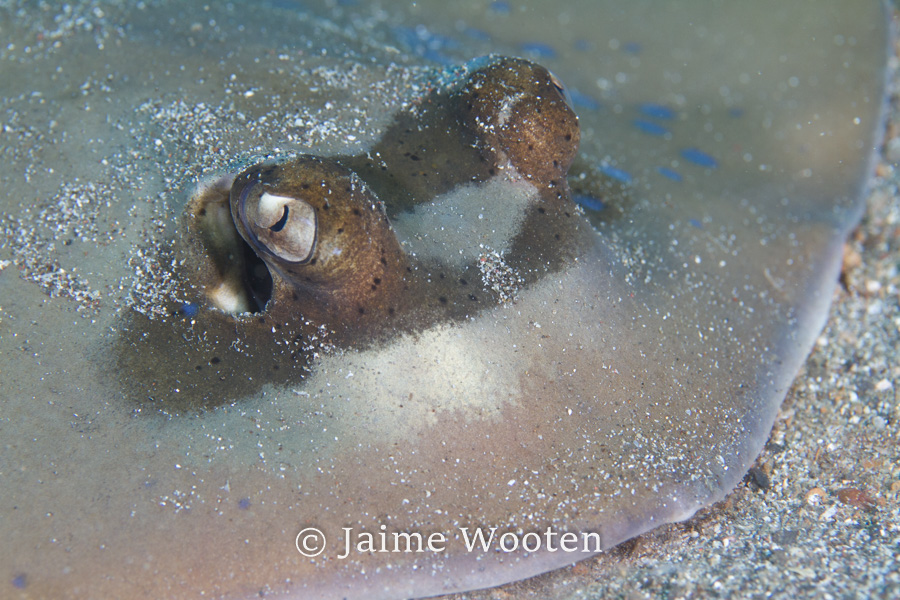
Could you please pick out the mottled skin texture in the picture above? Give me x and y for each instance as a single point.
(520, 116)
(507, 119)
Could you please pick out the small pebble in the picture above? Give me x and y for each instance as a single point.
(814, 496)
(856, 497)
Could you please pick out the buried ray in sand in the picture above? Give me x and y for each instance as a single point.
(311, 313)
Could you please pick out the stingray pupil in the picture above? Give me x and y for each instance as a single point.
(281, 222)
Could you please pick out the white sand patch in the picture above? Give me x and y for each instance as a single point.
(456, 227)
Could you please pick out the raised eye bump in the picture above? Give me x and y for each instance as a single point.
(321, 232)
(521, 115)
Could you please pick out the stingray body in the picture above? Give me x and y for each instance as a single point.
(189, 409)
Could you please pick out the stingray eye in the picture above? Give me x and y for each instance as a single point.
(322, 235)
(284, 226)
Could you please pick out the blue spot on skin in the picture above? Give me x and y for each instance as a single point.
(657, 111)
(582, 100)
(589, 202)
(650, 127)
(19, 582)
(425, 43)
(616, 173)
(665, 172)
(584, 45)
(696, 223)
(700, 158)
(477, 34)
(406, 35)
(190, 309)
(435, 40)
(500, 7)
(632, 48)
(736, 113)
(244, 503)
(539, 49)
(436, 57)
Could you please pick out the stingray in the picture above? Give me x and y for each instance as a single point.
(554, 358)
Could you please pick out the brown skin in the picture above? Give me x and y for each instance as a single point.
(519, 114)
(356, 270)
(339, 277)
